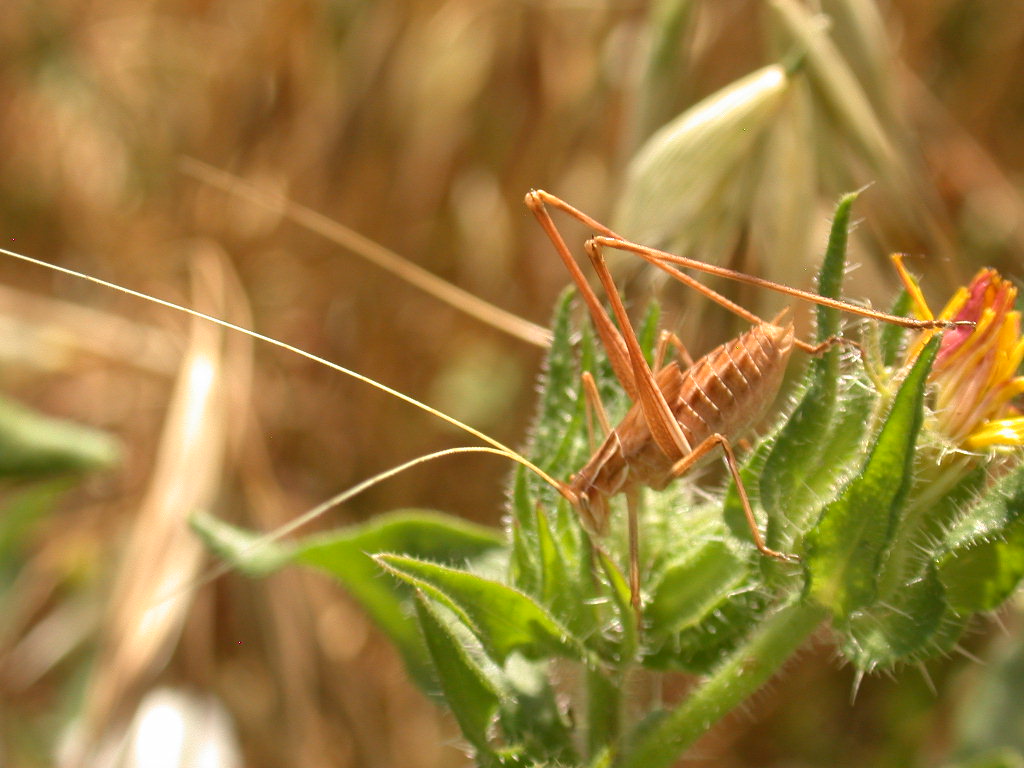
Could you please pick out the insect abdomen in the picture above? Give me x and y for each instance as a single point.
(729, 389)
(724, 392)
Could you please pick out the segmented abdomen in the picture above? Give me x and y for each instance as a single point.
(724, 392)
(729, 389)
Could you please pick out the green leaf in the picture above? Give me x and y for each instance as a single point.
(691, 588)
(845, 549)
(911, 619)
(807, 455)
(627, 618)
(794, 471)
(343, 554)
(32, 444)
(504, 619)
(532, 719)
(23, 508)
(984, 558)
(562, 590)
(750, 473)
(555, 445)
(699, 649)
(247, 551)
(899, 629)
(468, 690)
(524, 564)
(830, 279)
(893, 335)
(560, 418)
(702, 607)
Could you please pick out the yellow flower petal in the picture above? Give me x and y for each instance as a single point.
(1001, 432)
(921, 308)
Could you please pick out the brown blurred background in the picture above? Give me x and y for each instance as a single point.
(420, 124)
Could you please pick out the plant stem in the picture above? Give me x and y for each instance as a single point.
(603, 711)
(738, 677)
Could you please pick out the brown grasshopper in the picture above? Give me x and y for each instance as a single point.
(679, 414)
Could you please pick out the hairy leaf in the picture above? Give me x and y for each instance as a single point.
(469, 691)
(344, 555)
(845, 548)
(984, 558)
(504, 619)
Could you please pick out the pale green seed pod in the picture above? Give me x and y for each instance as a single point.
(680, 176)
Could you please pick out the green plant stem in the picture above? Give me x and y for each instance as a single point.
(604, 702)
(738, 677)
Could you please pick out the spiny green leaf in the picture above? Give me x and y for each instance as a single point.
(524, 565)
(560, 414)
(911, 619)
(559, 378)
(532, 719)
(795, 469)
(940, 494)
(830, 279)
(706, 594)
(802, 465)
(692, 587)
(702, 607)
(699, 649)
(846, 547)
(750, 474)
(561, 589)
(893, 335)
(899, 629)
(556, 444)
(468, 690)
(627, 618)
(984, 558)
(504, 619)
(344, 555)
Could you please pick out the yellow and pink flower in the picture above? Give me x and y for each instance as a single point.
(974, 376)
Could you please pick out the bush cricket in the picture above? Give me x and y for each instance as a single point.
(679, 415)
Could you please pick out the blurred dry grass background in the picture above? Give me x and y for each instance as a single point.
(419, 124)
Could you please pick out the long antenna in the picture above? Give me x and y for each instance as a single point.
(504, 449)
